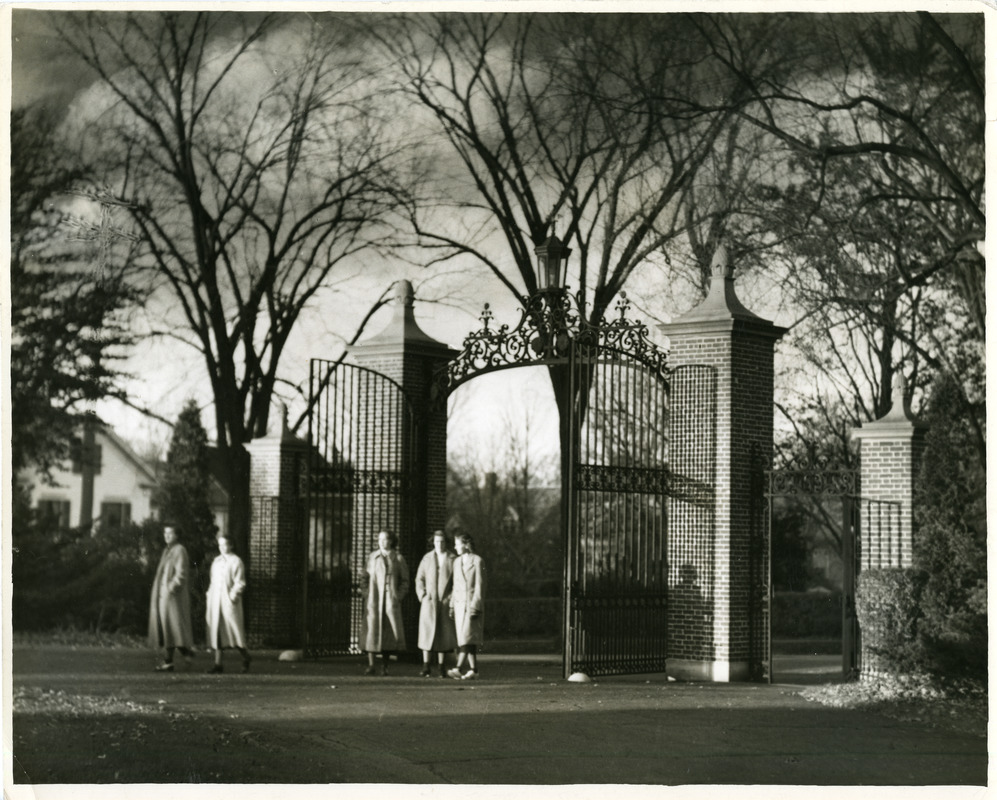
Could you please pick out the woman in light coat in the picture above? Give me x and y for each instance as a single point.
(433, 586)
(384, 582)
(224, 614)
(467, 605)
(169, 608)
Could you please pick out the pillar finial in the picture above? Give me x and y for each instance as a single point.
(721, 266)
(899, 402)
(721, 302)
(404, 293)
(402, 331)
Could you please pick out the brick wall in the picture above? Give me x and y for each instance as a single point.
(890, 458)
(420, 434)
(718, 609)
(276, 528)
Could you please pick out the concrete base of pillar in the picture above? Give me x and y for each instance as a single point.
(685, 669)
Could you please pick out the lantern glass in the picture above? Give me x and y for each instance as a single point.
(552, 266)
(552, 258)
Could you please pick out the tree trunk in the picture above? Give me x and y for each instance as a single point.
(237, 464)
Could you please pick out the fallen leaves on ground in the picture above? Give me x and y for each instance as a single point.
(35, 700)
(957, 705)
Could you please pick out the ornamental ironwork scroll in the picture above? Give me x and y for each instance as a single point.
(813, 482)
(641, 480)
(549, 323)
(347, 480)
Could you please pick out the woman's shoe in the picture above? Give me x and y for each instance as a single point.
(215, 669)
(425, 671)
(166, 666)
(470, 675)
(454, 673)
(369, 670)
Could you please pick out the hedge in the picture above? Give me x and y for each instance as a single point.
(511, 618)
(794, 615)
(797, 615)
(888, 604)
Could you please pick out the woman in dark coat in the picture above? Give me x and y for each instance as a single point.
(169, 608)
(467, 604)
(433, 585)
(385, 582)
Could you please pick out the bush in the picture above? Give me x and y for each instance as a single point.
(806, 615)
(791, 569)
(72, 578)
(517, 617)
(950, 546)
(888, 604)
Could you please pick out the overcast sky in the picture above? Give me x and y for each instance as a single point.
(40, 70)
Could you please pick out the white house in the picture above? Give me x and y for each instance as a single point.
(105, 479)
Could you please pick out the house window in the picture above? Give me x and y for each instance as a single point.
(54, 512)
(115, 515)
(77, 452)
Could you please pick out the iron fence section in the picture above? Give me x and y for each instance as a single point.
(884, 518)
(617, 531)
(361, 480)
(815, 482)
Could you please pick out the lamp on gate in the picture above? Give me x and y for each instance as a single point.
(552, 263)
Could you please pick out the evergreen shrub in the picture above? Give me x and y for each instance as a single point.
(950, 546)
(72, 578)
(511, 618)
(797, 615)
(888, 604)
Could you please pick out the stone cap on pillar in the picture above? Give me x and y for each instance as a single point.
(281, 435)
(897, 423)
(402, 333)
(721, 309)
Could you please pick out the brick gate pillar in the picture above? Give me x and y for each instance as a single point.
(277, 463)
(410, 357)
(890, 450)
(718, 629)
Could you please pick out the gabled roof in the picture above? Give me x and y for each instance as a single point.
(125, 449)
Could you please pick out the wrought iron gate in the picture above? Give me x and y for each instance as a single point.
(615, 476)
(818, 482)
(616, 573)
(362, 478)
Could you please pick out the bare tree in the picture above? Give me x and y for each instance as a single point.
(898, 101)
(250, 157)
(502, 494)
(590, 127)
(867, 212)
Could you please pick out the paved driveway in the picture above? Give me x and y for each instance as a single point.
(324, 722)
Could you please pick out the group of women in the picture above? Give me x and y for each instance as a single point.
(450, 588)
(169, 610)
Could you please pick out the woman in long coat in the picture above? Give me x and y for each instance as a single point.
(468, 605)
(223, 613)
(433, 586)
(384, 582)
(169, 608)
